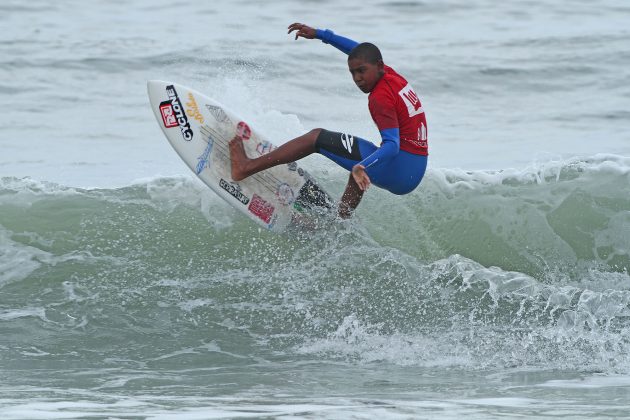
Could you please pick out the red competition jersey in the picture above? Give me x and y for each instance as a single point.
(394, 104)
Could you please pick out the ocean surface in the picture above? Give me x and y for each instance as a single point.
(498, 289)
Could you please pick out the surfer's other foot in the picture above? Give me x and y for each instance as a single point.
(238, 158)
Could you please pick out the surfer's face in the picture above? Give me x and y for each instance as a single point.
(365, 74)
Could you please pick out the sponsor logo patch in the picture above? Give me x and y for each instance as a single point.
(243, 130)
(422, 135)
(168, 115)
(411, 100)
(193, 110)
(264, 147)
(347, 140)
(261, 209)
(285, 194)
(235, 191)
(180, 115)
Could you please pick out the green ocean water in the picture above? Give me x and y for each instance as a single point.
(158, 299)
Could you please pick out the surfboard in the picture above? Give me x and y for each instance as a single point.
(199, 129)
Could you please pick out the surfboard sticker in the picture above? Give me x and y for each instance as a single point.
(199, 129)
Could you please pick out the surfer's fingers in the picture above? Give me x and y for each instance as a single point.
(362, 180)
(365, 181)
(303, 30)
(294, 26)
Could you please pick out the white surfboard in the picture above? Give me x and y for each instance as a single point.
(199, 130)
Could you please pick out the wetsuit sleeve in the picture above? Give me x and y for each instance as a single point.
(384, 115)
(389, 148)
(341, 43)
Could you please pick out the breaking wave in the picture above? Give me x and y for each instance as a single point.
(476, 269)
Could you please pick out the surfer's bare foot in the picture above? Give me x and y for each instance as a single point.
(238, 158)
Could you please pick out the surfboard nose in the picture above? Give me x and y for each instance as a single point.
(151, 84)
(155, 88)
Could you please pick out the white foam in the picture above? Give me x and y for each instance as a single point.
(10, 314)
(452, 179)
(27, 191)
(590, 382)
(17, 261)
(243, 100)
(487, 307)
(355, 340)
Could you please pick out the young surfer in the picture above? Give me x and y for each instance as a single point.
(398, 165)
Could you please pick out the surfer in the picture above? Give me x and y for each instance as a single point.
(398, 165)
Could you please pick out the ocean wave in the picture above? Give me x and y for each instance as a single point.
(558, 216)
(461, 314)
(552, 216)
(532, 263)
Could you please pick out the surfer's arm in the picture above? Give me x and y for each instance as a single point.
(341, 43)
(383, 111)
(325, 35)
(389, 148)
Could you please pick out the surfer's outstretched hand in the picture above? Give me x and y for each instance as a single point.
(303, 30)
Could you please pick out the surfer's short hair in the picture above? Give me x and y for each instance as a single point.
(367, 51)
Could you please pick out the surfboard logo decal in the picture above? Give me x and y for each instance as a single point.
(264, 147)
(243, 130)
(168, 115)
(193, 109)
(235, 191)
(203, 159)
(285, 194)
(218, 114)
(180, 115)
(261, 209)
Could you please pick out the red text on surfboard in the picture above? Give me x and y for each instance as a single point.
(262, 209)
